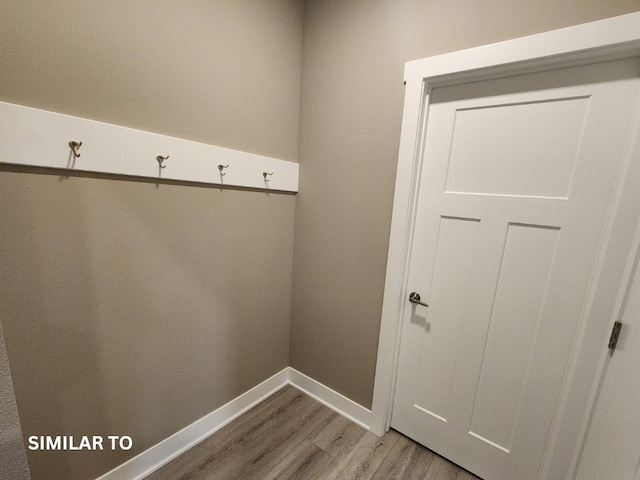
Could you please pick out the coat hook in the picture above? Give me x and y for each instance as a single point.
(161, 159)
(222, 167)
(265, 174)
(75, 146)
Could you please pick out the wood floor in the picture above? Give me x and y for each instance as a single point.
(292, 436)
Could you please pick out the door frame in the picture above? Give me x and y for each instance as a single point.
(609, 39)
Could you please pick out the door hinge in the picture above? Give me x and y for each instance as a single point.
(615, 333)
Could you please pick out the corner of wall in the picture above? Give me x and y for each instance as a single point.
(13, 461)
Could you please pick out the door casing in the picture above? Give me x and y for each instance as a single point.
(613, 38)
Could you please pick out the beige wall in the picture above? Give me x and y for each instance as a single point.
(216, 71)
(130, 308)
(135, 309)
(352, 94)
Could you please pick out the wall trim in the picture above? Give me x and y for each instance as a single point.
(601, 40)
(332, 399)
(171, 447)
(40, 138)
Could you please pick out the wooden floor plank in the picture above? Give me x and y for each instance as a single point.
(260, 446)
(362, 461)
(274, 446)
(407, 461)
(464, 475)
(292, 436)
(223, 446)
(442, 469)
(338, 435)
(305, 461)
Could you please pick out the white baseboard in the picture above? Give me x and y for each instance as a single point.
(162, 453)
(332, 399)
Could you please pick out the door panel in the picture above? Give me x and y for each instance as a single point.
(516, 181)
(528, 256)
(482, 162)
(612, 446)
(457, 249)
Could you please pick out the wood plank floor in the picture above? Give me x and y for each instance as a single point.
(291, 436)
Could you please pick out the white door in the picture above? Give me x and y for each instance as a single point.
(612, 447)
(515, 188)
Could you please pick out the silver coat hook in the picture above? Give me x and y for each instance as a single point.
(222, 167)
(265, 174)
(75, 146)
(161, 160)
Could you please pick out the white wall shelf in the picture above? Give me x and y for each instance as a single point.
(39, 138)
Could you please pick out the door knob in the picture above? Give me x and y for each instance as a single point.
(414, 297)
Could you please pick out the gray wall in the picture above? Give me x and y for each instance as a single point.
(352, 94)
(216, 71)
(131, 308)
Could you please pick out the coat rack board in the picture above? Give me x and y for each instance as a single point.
(39, 138)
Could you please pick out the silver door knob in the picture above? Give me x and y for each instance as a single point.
(414, 297)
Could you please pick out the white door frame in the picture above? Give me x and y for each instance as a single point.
(608, 39)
